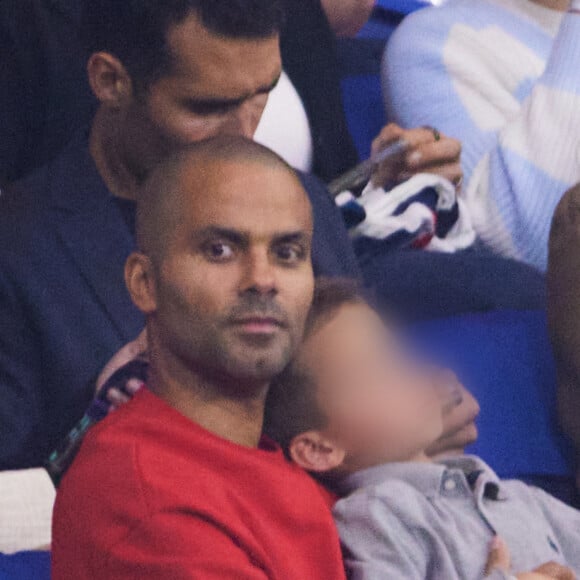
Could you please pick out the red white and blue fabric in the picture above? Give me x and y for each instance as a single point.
(424, 212)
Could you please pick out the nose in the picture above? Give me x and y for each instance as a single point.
(245, 119)
(259, 275)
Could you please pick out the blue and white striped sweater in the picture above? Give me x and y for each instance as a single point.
(503, 77)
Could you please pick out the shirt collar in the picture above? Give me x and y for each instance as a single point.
(427, 478)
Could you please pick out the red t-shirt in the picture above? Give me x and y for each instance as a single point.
(154, 495)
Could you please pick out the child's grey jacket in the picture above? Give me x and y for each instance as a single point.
(435, 521)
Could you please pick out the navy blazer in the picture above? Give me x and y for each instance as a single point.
(64, 308)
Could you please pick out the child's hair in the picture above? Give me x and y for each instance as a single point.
(291, 406)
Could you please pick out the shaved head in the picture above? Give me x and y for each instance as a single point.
(224, 269)
(162, 199)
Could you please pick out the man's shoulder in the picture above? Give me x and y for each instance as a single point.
(432, 24)
(25, 223)
(68, 183)
(432, 18)
(28, 200)
(25, 197)
(148, 447)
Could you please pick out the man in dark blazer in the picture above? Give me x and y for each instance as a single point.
(45, 96)
(66, 230)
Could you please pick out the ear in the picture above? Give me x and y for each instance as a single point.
(140, 282)
(109, 79)
(314, 452)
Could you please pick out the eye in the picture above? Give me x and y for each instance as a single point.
(290, 253)
(218, 251)
(208, 109)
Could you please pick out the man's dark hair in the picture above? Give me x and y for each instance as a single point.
(135, 31)
(291, 406)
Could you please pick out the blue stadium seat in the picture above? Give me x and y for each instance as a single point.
(360, 63)
(25, 566)
(505, 359)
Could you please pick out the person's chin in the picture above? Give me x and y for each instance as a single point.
(261, 362)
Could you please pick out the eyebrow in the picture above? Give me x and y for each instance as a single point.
(292, 238)
(219, 102)
(238, 238)
(243, 238)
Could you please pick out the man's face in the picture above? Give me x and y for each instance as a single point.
(380, 405)
(215, 86)
(235, 281)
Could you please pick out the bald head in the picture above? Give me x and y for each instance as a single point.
(193, 173)
(224, 272)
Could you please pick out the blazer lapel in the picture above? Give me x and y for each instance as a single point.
(93, 231)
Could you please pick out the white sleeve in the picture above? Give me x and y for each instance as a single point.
(26, 502)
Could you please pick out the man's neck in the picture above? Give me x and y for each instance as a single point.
(105, 150)
(212, 404)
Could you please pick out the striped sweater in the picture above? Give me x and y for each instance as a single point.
(503, 77)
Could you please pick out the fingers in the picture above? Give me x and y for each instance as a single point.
(455, 443)
(388, 135)
(432, 154)
(464, 414)
(119, 397)
(500, 560)
(426, 153)
(459, 428)
(449, 386)
(134, 349)
(116, 398)
(438, 157)
(133, 386)
(555, 571)
(499, 557)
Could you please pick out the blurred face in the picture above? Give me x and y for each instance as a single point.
(235, 281)
(380, 406)
(215, 86)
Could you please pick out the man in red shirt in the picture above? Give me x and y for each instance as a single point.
(179, 483)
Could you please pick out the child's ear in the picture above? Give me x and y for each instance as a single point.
(314, 452)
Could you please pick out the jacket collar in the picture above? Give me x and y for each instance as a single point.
(93, 231)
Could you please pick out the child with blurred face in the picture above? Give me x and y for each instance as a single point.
(358, 413)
